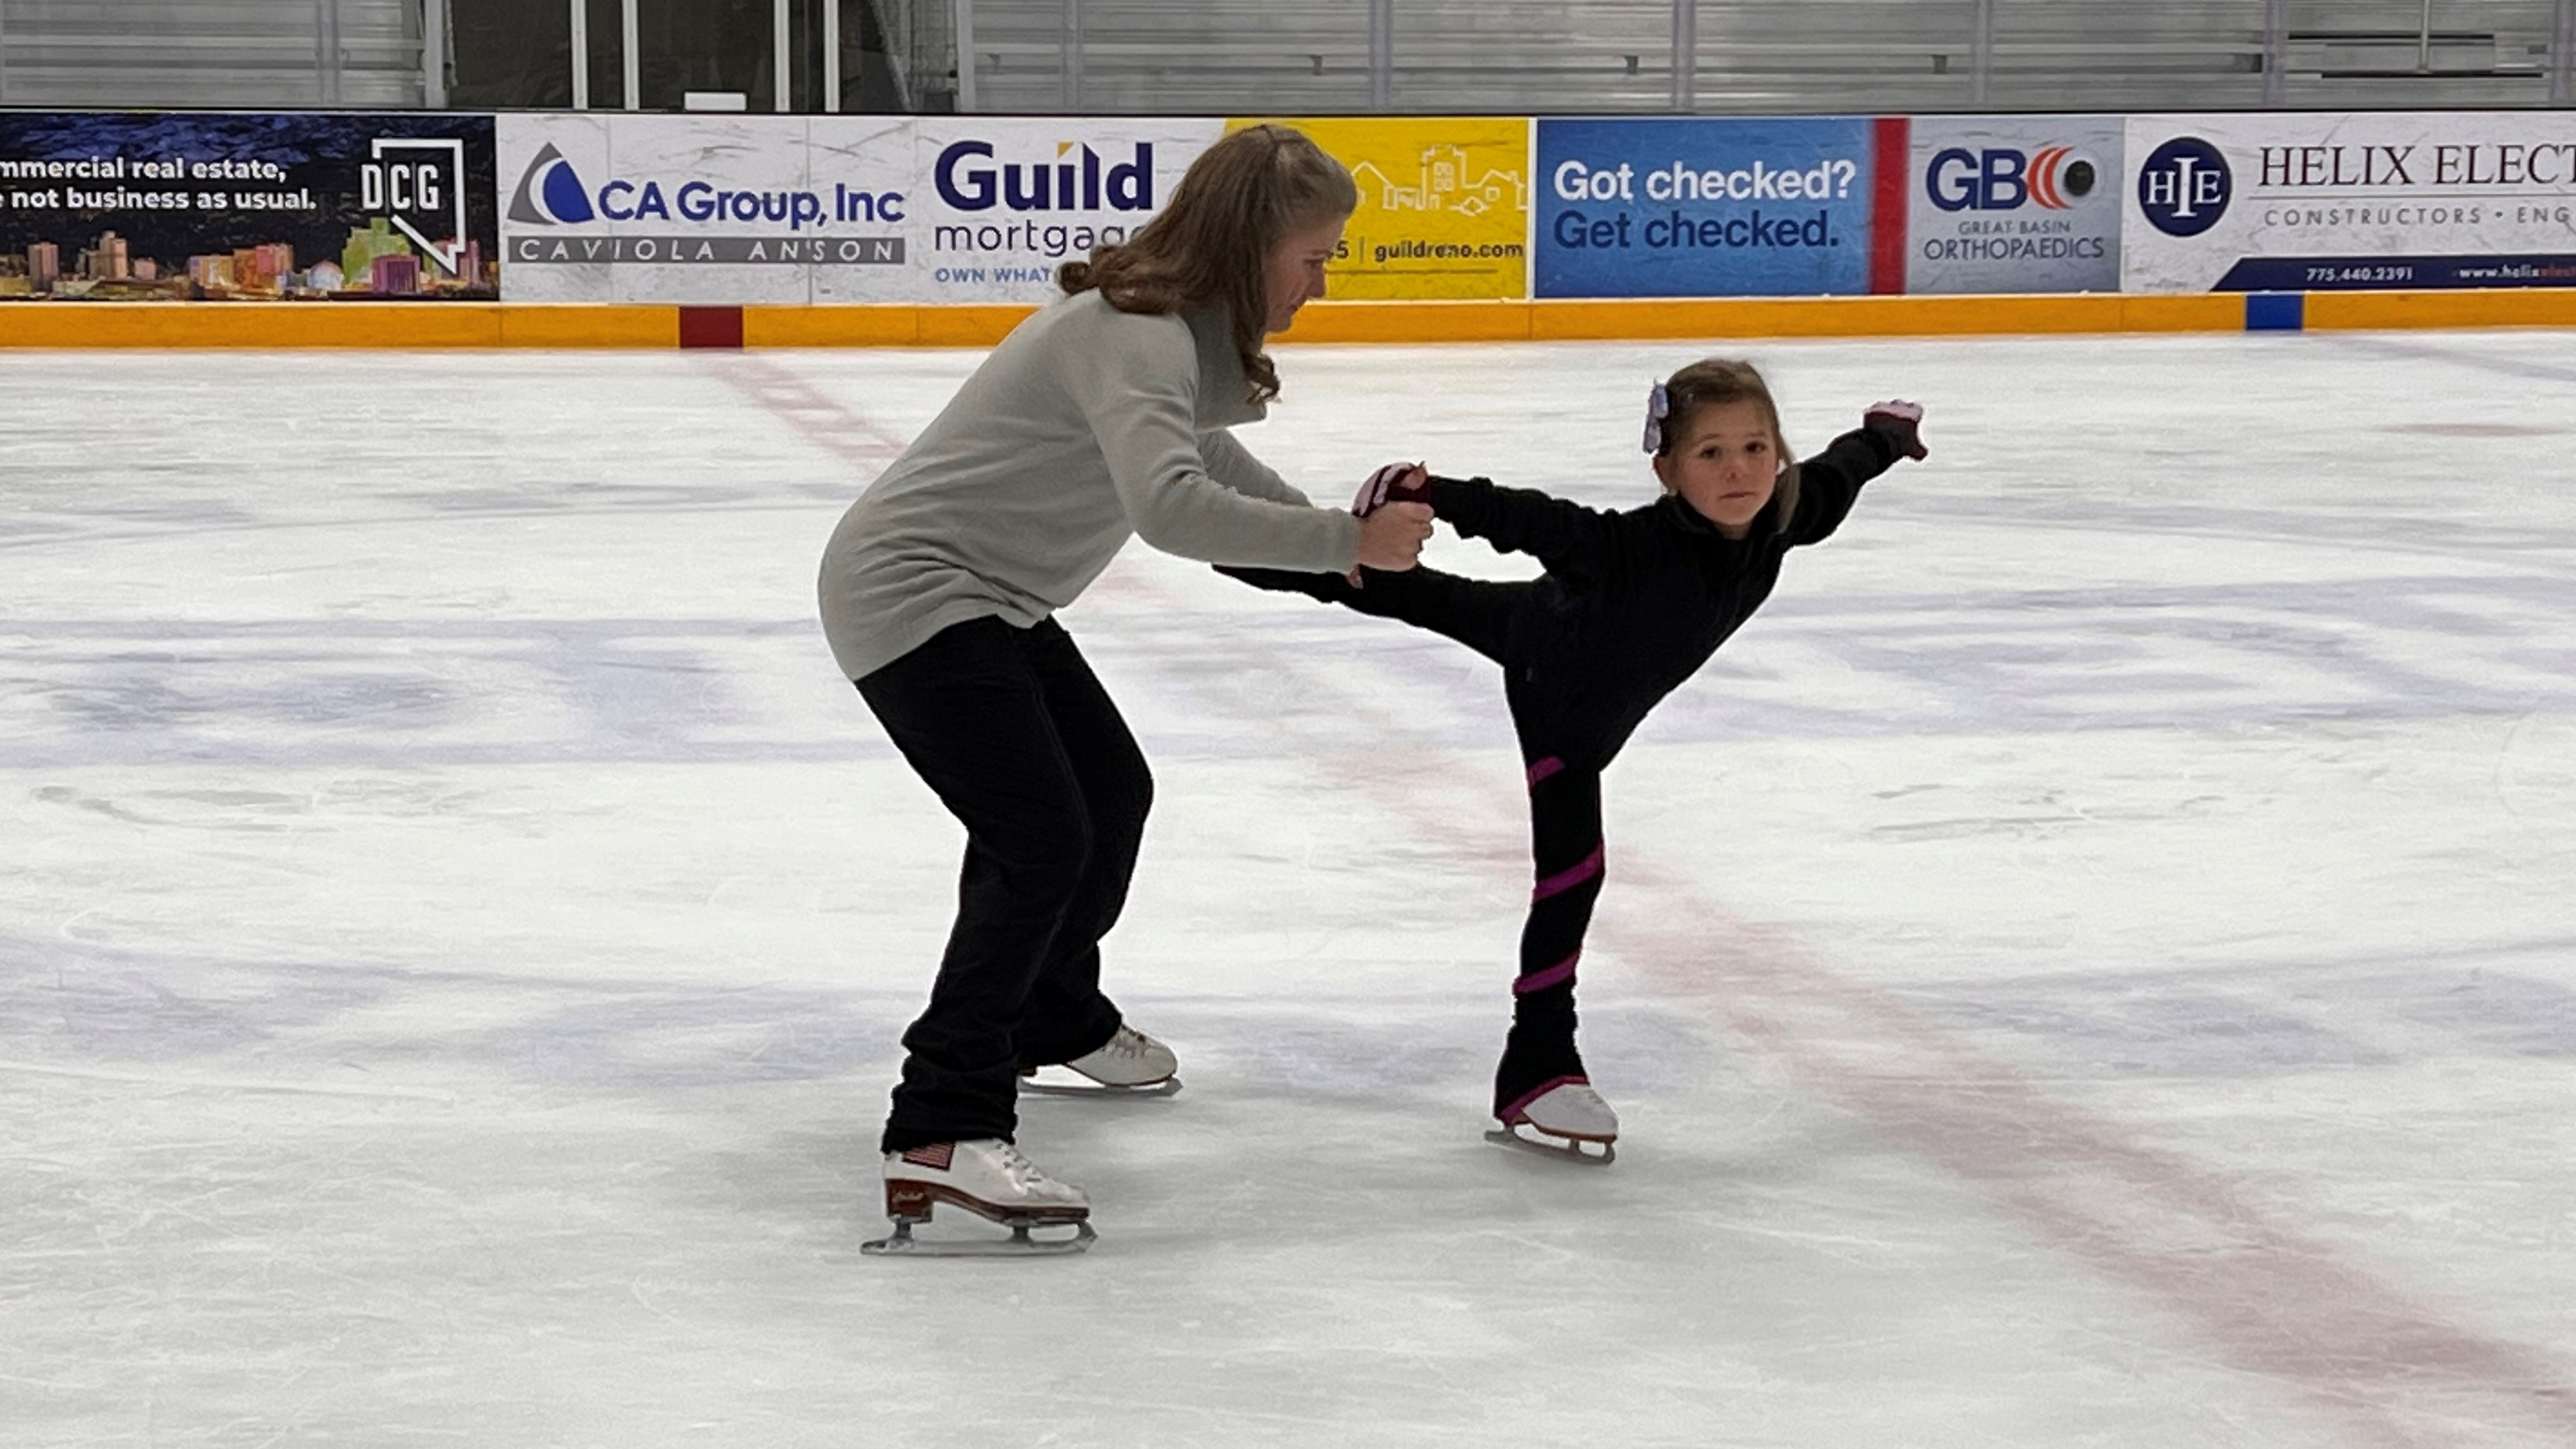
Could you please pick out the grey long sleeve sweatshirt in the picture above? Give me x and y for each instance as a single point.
(1086, 425)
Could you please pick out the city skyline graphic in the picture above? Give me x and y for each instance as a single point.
(1443, 185)
(106, 206)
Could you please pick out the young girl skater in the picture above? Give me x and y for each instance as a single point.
(1629, 606)
(1104, 415)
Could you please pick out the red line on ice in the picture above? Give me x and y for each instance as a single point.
(2272, 1302)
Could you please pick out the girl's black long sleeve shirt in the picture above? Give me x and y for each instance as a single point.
(1633, 603)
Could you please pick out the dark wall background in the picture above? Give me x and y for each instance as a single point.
(515, 54)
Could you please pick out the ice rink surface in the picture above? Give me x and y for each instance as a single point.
(2092, 964)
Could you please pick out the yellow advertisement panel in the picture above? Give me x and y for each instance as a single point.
(1444, 205)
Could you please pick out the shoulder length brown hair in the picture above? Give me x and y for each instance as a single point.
(1209, 246)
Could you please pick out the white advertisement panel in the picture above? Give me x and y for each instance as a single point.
(747, 209)
(2013, 204)
(2321, 201)
(1000, 202)
(602, 207)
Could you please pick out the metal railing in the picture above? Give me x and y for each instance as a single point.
(1685, 56)
(360, 54)
(1229, 57)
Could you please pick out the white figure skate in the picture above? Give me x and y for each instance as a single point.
(1568, 1120)
(1130, 1064)
(990, 1179)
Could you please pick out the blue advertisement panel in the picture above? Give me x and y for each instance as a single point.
(1703, 207)
(131, 206)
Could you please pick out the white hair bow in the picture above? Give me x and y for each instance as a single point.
(1659, 406)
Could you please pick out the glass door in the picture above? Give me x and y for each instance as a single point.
(711, 49)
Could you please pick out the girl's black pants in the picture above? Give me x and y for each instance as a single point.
(1563, 760)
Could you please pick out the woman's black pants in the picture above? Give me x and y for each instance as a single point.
(1011, 730)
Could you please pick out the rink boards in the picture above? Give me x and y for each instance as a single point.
(606, 229)
(646, 325)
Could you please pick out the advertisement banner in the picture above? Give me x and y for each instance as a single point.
(604, 207)
(2014, 204)
(135, 207)
(1005, 201)
(2324, 201)
(749, 209)
(1703, 207)
(1444, 206)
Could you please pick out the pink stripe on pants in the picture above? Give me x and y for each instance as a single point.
(1562, 971)
(1564, 881)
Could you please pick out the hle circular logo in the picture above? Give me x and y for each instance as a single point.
(2184, 186)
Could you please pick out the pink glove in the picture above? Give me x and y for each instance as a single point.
(1901, 421)
(1394, 483)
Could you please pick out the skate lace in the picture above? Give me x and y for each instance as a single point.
(1023, 1173)
(1129, 1042)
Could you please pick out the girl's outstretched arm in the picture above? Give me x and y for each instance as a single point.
(1830, 482)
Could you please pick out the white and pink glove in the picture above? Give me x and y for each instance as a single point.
(1394, 483)
(1902, 421)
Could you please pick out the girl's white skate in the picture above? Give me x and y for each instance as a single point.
(1567, 1120)
(990, 1179)
(1129, 1064)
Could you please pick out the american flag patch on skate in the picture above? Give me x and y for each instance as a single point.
(935, 1156)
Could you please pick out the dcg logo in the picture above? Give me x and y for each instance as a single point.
(2001, 179)
(418, 184)
(2184, 186)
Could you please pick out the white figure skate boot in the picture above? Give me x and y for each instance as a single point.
(1130, 1063)
(986, 1177)
(1569, 1119)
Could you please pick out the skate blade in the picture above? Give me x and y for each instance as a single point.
(1563, 1149)
(1082, 1086)
(902, 1244)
